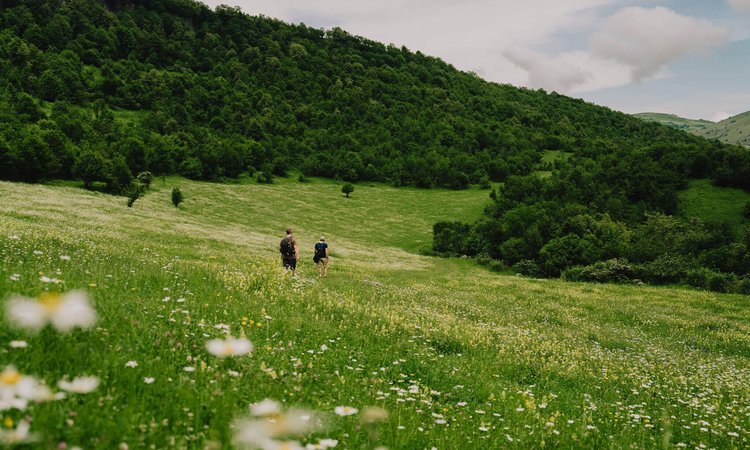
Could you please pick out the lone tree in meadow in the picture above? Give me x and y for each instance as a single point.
(347, 189)
(134, 192)
(176, 197)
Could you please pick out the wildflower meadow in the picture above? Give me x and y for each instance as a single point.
(163, 327)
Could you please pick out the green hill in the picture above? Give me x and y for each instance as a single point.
(455, 356)
(104, 90)
(690, 125)
(734, 130)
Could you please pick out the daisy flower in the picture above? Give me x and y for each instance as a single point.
(345, 410)
(80, 385)
(64, 312)
(229, 347)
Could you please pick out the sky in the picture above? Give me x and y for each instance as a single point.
(685, 57)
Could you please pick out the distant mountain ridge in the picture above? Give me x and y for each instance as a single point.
(733, 130)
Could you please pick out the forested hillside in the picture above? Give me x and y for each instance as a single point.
(100, 91)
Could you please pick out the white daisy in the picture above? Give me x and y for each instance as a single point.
(79, 385)
(229, 347)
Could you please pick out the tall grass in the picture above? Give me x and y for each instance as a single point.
(457, 356)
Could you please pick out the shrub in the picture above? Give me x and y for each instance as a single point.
(746, 210)
(743, 286)
(301, 178)
(496, 265)
(177, 197)
(450, 238)
(615, 269)
(699, 277)
(265, 177)
(666, 269)
(722, 282)
(716, 281)
(347, 189)
(484, 183)
(527, 267)
(91, 166)
(134, 192)
(145, 178)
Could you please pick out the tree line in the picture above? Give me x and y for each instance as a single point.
(101, 91)
(613, 217)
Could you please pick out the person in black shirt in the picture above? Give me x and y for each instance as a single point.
(321, 257)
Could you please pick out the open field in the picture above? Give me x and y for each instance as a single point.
(713, 204)
(458, 357)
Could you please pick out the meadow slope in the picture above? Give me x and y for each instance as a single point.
(458, 357)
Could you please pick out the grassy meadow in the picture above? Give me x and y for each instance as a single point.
(452, 356)
(713, 204)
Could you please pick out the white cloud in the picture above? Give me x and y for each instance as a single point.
(553, 74)
(470, 34)
(646, 40)
(740, 5)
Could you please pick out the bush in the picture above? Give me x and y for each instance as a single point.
(743, 285)
(527, 267)
(617, 270)
(450, 238)
(484, 183)
(301, 178)
(265, 177)
(666, 269)
(496, 265)
(177, 197)
(145, 178)
(347, 189)
(746, 211)
(134, 192)
(699, 277)
(715, 281)
(91, 166)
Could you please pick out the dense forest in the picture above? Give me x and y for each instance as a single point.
(101, 91)
(612, 217)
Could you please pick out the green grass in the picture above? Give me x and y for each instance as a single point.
(691, 125)
(458, 356)
(713, 204)
(550, 156)
(734, 130)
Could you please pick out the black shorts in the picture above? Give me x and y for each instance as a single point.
(289, 263)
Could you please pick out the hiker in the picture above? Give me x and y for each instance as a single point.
(289, 252)
(321, 257)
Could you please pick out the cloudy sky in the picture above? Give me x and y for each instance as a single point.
(685, 57)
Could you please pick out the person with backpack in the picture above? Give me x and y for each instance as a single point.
(289, 252)
(321, 257)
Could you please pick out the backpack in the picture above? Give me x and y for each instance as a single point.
(286, 248)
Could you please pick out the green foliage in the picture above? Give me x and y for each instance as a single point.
(175, 87)
(347, 189)
(452, 238)
(746, 211)
(145, 178)
(177, 197)
(134, 192)
(265, 177)
(611, 270)
(91, 166)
